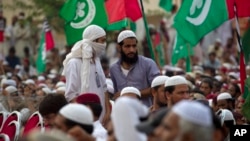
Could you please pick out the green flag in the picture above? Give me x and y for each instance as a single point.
(246, 96)
(246, 45)
(196, 18)
(167, 5)
(78, 14)
(41, 58)
(181, 50)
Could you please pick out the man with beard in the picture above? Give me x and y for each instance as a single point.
(83, 70)
(132, 69)
(157, 90)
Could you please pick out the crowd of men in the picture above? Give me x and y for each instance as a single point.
(91, 93)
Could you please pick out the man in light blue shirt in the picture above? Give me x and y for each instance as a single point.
(133, 69)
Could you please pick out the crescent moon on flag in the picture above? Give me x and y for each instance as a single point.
(203, 15)
(88, 19)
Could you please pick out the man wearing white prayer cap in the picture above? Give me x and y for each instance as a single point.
(187, 120)
(132, 69)
(74, 114)
(126, 114)
(157, 90)
(131, 92)
(83, 70)
(227, 121)
(176, 89)
(225, 101)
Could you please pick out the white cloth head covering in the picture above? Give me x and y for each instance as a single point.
(10, 82)
(159, 80)
(60, 84)
(225, 115)
(11, 89)
(175, 80)
(77, 113)
(29, 81)
(194, 112)
(41, 78)
(223, 96)
(125, 34)
(46, 90)
(84, 49)
(132, 90)
(125, 115)
(61, 89)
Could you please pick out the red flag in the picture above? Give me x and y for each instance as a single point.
(242, 71)
(243, 8)
(49, 41)
(118, 10)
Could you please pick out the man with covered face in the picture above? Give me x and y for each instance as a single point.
(83, 70)
(133, 69)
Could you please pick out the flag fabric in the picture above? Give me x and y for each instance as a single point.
(167, 5)
(196, 18)
(243, 8)
(181, 50)
(119, 10)
(78, 14)
(159, 48)
(49, 41)
(41, 57)
(246, 96)
(246, 45)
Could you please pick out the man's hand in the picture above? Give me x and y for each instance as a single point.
(116, 95)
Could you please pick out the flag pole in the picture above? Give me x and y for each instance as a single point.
(243, 76)
(147, 32)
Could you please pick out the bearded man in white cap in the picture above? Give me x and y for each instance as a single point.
(157, 90)
(225, 101)
(83, 70)
(176, 89)
(132, 69)
(186, 121)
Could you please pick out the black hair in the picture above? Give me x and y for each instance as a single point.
(170, 89)
(208, 81)
(197, 90)
(156, 87)
(51, 104)
(96, 108)
(70, 124)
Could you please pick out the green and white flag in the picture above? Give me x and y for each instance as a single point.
(181, 50)
(196, 18)
(41, 58)
(78, 14)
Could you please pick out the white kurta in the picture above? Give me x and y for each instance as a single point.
(100, 133)
(73, 81)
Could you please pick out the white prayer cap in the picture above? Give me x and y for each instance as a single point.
(51, 76)
(41, 78)
(225, 115)
(218, 77)
(46, 90)
(77, 113)
(132, 90)
(42, 85)
(18, 67)
(109, 82)
(60, 84)
(53, 71)
(29, 81)
(175, 80)
(194, 112)
(110, 85)
(11, 89)
(61, 89)
(93, 32)
(159, 80)
(224, 96)
(125, 34)
(218, 40)
(10, 82)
